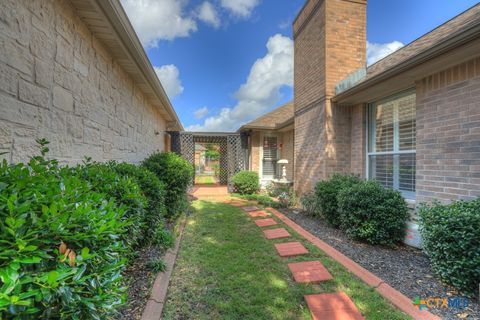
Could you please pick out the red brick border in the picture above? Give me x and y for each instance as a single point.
(154, 307)
(395, 297)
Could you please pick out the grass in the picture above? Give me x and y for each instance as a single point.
(226, 269)
(204, 179)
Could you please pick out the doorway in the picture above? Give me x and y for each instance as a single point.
(207, 163)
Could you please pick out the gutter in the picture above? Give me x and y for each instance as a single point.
(456, 40)
(115, 13)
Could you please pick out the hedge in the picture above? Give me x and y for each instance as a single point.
(176, 173)
(372, 213)
(246, 182)
(61, 254)
(451, 239)
(327, 191)
(66, 235)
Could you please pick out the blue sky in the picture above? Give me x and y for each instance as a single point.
(225, 62)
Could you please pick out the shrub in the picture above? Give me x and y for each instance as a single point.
(60, 248)
(451, 239)
(153, 189)
(177, 174)
(372, 213)
(123, 190)
(246, 182)
(309, 203)
(287, 197)
(327, 191)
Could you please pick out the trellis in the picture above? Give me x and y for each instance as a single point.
(233, 150)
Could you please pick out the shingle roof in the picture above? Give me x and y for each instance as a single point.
(273, 119)
(456, 25)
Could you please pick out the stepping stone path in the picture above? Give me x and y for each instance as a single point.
(289, 249)
(265, 222)
(258, 214)
(309, 272)
(248, 209)
(325, 306)
(276, 233)
(332, 306)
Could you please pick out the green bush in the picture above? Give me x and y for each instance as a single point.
(309, 203)
(372, 213)
(451, 239)
(177, 174)
(123, 190)
(327, 191)
(287, 197)
(61, 254)
(246, 182)
(153, 189)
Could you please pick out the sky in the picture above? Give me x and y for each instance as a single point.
(225, 62)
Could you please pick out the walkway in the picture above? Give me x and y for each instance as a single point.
(210, 192)
(250, 264)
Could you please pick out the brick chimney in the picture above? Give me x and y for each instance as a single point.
(330, 44)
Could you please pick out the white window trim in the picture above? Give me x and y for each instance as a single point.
(407, 195)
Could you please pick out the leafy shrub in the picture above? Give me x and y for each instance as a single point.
(451, 239)
(372, 213)
(60, 249)
(125, 192)
(156, 265)
(246, 182)
(327, 191)
(309, 203)
(287, 197)
(177, 174)
(153, 189)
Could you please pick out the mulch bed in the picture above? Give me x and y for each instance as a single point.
(139, 283)
(404, 268)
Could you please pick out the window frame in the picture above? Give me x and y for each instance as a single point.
(263, 136)
(371, 136)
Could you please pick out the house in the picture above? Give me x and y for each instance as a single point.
(270, 138)
(410, 121)
(75, 73)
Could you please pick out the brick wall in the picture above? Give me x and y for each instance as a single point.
(255, 152)
(58, 82)
(448, 134)
(358, 140)
(330, 43)
(288, 139)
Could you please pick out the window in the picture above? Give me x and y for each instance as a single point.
(392, 143)
(270, 157)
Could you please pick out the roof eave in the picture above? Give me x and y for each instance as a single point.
(119, 21)
(456, 40)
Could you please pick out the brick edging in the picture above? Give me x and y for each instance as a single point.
(154, 307)
(394, 296)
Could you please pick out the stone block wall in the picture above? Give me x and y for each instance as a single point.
(58, 82)
(448, 134)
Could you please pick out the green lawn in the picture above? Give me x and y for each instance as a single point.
(226, 269)
(204, 179)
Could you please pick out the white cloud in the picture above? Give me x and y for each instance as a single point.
(156, 20)
(169, 77)
(377, 51)
(240, 8)
(261, 91)
(208, 14)
(200, 113)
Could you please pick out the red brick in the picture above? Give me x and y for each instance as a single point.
(332, 306)
(276, 233)
(258, 214)
(309, 272)
(265, 222)
(290, 249)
